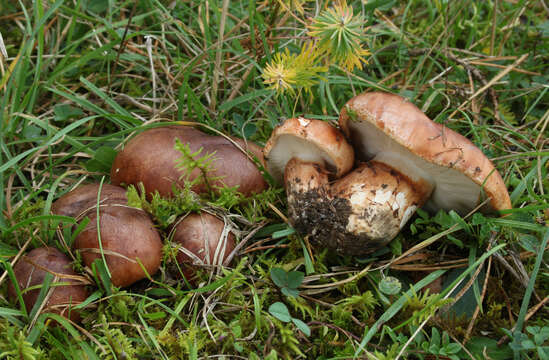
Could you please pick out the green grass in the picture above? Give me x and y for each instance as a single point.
(82, 75)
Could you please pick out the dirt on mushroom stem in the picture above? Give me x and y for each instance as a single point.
(326, 221)
(356, 214)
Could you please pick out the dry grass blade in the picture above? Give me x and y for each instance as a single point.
(340, 282)
(3, 50)
(217, 67)
(490, 83)
(522, 71)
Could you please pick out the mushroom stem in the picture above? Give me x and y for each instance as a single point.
(356, 214)
(303, 176)
(382, 200)
(310, 207)
(307, 190)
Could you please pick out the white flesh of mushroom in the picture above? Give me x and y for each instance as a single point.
(288, 147)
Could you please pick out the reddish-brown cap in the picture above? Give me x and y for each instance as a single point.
(203, 240)
(390, 129)
(84, 197)
(129, 241)
(311, 141)
(31, 270)
(151, 158)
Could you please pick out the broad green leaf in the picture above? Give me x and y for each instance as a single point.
(483, 346)
(295, 278)
(302, 326)
(290, 292)
(279, 276)
(102, 160)
(280, 311)
(65, 112)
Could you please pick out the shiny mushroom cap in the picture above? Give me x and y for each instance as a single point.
(204, 240)
(389, 129)
(151, 158)
(311, 141)
(129, 239)
(65, 292)
(84, 197)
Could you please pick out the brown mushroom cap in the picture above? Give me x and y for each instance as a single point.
(203, 242)
(310, 141)
(127, 233)
(31, 270)
(390, 129)
(128, 238)
(79, 200)
(151, 158)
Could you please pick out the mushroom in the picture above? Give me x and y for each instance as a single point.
(151, 158)
(356, 213)
(412, 162)
(313, 141)
(64, 293)
(84, 197)
(203, 240)
(389, 129)
(129, 240)
(308, 154)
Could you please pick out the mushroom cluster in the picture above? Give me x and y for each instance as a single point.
(404, 161)
(126, 237)
(151, 159)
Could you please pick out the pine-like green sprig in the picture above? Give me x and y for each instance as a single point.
(340, 35)
(288, 72)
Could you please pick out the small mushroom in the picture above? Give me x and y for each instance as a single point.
(308, 140)
(203, 239)
(308, 154)
(151, 158)
(129, 239)
(65, 292)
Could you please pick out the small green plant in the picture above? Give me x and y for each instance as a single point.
(20, 348)
(280, 311)
(190, 161)
(164, 210)
(438, 345)
(390, 285)
(424, 305)
(535, 343)
(340, 34)
(441, 346)
(288, 72)
(362, 305)
(288, 282)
